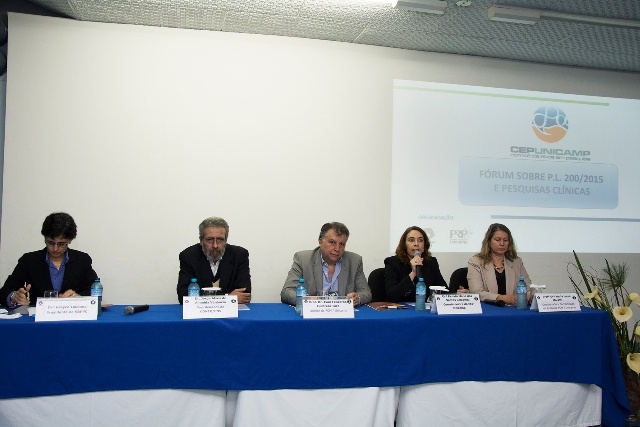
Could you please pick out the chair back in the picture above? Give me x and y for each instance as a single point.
(458, 278)
(376, 283)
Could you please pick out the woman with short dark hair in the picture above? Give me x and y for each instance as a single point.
(56, 267)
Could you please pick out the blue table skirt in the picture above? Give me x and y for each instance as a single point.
(270, 347)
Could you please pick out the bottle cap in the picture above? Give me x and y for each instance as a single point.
(194, 280)
(522, 278)
(301, 280)
(420, 279)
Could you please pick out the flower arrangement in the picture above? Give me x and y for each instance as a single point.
(606, 290)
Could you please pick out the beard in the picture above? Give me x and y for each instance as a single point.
(214, 254)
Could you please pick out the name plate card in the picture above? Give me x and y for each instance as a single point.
(327, 308)
(210, 307)
(545, 303)
(457, 304)
(57, 309)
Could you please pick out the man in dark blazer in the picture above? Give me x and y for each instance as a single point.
(328, 268)
(214, 262)
(55, 267)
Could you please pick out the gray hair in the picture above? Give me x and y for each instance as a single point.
(213, 221)
(338, 227)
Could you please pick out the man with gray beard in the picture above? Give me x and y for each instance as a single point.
(215, 263)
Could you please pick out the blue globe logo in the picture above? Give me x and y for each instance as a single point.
(550, 124)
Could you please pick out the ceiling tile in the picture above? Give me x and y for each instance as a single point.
(460, 30)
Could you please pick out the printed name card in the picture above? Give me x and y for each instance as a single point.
(327, 308)
(457, 303)
(56, 309)
(555, 302)
(210, 307)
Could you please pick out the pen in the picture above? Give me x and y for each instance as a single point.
(392, 307)
(25, 288)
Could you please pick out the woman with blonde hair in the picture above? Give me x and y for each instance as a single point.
(495, 271)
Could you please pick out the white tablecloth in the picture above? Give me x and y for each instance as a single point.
(351, 407)
(135, 408)
(466, 404)
(495, 404)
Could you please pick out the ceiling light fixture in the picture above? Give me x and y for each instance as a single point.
(427, 6)
(514, 15)
(531, 16)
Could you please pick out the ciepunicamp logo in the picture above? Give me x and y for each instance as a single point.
(550, 124)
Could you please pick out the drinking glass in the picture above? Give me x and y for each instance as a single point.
(208, 292)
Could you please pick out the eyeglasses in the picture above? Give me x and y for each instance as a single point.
(218, 240)
(56, 244)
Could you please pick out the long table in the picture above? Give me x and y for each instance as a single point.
(270, 347)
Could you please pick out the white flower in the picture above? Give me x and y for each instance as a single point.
(622, 314)
(633, 361)
(632, 297)
(594, 294)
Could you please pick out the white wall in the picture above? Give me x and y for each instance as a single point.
(140, 133)
(3, 104)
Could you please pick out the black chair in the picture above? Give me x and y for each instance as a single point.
(458, 278)
(376, 283)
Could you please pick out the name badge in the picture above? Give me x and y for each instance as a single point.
(57, 309)
(327, 308)
(545, 303)
(457, 304)
(210, 307)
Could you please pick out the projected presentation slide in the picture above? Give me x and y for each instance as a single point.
(560, 170)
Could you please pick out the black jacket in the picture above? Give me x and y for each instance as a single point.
(33, 269)
(233, 270)
(399, 286)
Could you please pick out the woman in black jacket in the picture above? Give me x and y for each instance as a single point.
(412, 260)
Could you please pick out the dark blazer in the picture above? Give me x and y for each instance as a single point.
(34, 270)
(233, 270)
(399, 286)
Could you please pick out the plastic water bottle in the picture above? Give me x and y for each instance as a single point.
(194, 289)
(521, 292)
(96, 291)
(421, 295)
(301, 292)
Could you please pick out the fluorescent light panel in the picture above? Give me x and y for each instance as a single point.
(531, 16)
(513, 14)
(362, 1)
(427, 6)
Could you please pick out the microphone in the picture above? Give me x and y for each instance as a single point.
(498, 303)
(418, 267)
(131, 309)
